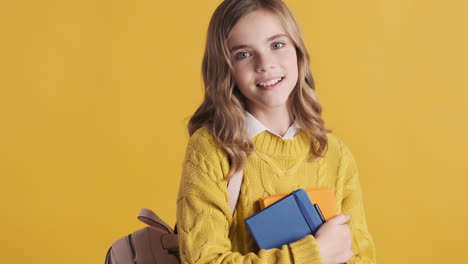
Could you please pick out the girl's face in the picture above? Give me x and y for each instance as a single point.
(264, 60)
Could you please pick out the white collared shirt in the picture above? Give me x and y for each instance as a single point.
(254, 127)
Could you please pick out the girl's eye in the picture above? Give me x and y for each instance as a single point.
(242, 55)
(278, 45)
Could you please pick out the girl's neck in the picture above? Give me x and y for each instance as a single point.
(278, 120)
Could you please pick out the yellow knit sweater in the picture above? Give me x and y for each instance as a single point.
(210, 233)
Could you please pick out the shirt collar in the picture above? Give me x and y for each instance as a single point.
(254, 127)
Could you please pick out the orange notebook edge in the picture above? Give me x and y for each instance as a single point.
(323, 196)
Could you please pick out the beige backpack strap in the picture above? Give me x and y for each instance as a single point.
(150, 218)
(234, 186)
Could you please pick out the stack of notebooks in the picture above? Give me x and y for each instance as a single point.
(288, 218)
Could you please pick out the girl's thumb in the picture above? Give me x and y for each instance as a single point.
(341, 218)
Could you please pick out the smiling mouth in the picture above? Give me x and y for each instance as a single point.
(270, 83)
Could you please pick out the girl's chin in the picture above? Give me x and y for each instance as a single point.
(268, 105)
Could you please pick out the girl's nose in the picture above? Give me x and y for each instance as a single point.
(264, 63)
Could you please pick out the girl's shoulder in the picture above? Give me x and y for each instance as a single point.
(334, 141)
(337, 147)
(203, 144)
(202, 138)
(206, 154)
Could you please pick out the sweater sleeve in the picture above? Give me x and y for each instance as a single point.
(204, 217)
(363, 245)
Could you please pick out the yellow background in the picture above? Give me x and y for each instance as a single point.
(94, 97)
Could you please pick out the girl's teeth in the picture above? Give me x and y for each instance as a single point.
(270, 82)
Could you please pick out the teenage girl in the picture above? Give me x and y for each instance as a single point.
(260, 114)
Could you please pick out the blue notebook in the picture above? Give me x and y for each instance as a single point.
(286, 221)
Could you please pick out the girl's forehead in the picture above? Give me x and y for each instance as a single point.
(258, 25)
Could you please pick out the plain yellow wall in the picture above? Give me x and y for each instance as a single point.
(94, 97)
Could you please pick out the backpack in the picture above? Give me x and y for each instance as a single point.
(158, 242)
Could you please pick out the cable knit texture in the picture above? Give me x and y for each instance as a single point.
(210, 233)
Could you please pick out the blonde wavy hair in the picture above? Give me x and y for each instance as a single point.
(223, 110)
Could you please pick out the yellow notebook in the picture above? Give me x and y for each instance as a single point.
(323, 196)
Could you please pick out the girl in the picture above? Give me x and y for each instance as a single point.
(260, 115)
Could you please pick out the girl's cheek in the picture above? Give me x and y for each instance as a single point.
(239, 73)
(241, 68)
(291, 57)
(291, 52)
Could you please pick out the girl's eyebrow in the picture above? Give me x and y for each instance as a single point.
(242, 46)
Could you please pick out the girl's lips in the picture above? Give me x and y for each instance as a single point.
(267, 88)
(270, 79)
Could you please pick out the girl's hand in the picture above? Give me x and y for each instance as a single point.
(334, 240)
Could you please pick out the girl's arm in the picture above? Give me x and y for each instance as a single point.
(204, 218)
(363, 245)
